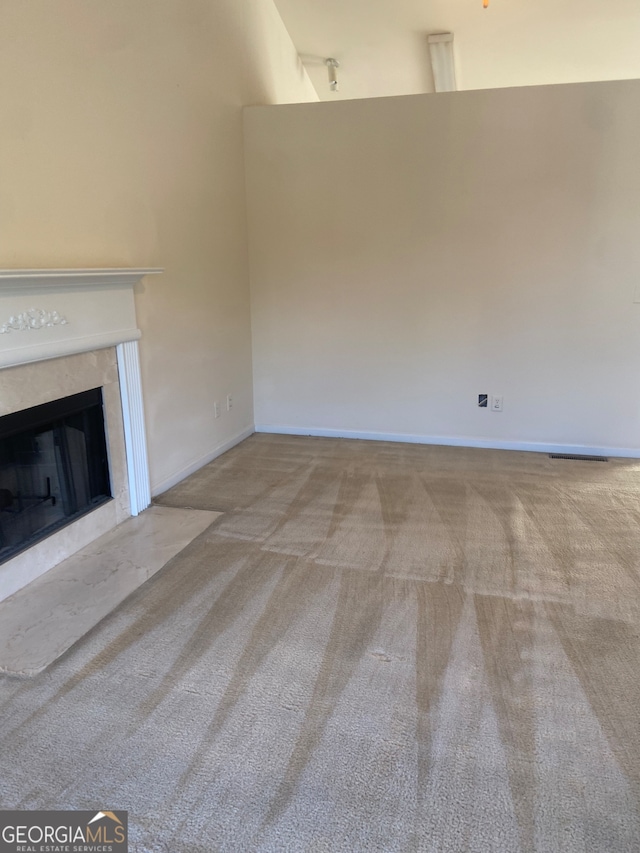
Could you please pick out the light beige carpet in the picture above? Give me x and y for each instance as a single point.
(379, 647)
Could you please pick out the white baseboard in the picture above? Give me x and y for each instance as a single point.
(454, 441)
(192, 467)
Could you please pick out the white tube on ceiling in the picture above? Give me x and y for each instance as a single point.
(442, 61)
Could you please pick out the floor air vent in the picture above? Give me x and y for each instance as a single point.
(578, 457)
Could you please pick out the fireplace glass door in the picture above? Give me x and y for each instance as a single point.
(53, 468)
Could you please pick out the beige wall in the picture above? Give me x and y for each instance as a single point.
(410, 253)
(121, 145)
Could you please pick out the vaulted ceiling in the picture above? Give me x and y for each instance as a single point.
(382, 44)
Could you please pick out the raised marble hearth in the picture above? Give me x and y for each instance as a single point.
(42, 621)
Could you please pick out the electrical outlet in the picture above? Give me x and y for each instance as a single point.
(216, 409)
(496, 403)
(229, 402)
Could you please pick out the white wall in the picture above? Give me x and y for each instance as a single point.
(410, 253)
(121, 145)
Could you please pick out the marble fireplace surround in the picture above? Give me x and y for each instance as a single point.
(62, 332)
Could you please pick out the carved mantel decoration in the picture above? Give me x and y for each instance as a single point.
(33, 318)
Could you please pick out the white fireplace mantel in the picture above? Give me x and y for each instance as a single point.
(50, 313)
(47, 314)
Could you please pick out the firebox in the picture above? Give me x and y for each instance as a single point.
(54, 468)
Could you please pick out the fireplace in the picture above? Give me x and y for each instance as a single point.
(54, 468)
(69, 363)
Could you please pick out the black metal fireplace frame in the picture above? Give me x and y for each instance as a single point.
(54, 416)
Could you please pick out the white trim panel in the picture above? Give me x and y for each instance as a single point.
(56, 349)
(455, 441)
(135, 437)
